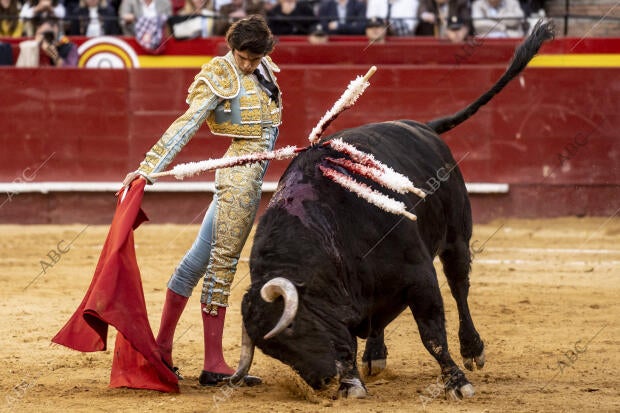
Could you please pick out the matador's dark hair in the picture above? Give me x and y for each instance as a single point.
(251, 34)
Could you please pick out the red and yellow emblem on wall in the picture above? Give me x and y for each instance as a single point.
(106, 52)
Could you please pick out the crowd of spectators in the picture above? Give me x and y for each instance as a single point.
(151, 21)
(451, 19)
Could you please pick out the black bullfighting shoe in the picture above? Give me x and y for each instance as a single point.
(175, 370)
(208, 378)
(177, 373)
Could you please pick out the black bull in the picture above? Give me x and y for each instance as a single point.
(328, 267)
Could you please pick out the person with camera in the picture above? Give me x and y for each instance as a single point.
(56, 50)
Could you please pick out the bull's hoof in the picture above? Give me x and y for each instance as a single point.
(352, 388)
(374, 367)
(375, 355)
(472, 351)
(465, 391)
(468, 362)
(457, 386)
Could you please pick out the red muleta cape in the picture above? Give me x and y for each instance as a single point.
(116, 297)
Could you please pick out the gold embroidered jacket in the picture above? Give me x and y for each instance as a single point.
(233, 104)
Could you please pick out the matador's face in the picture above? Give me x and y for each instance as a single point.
(246, 61)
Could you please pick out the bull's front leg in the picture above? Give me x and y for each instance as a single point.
(351, 385)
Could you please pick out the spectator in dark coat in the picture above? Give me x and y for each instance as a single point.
(291, 17)
(93, 18)
(449, 19)
(343, 16)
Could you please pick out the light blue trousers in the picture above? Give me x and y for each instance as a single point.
(194, 264)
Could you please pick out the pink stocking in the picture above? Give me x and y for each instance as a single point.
(213, 330)
(173, 308)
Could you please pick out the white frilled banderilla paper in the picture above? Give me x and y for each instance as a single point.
(349, 97)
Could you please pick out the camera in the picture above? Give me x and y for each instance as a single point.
(48, 36)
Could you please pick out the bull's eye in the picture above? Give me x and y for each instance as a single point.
(288, 331)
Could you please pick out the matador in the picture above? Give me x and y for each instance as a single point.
(238, 96)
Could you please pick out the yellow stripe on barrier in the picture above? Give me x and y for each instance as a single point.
(173, 61)
(576, 60)
(546, 60)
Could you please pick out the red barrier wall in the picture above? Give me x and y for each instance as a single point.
(551, 134)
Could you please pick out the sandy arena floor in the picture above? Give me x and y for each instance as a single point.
(545, 298)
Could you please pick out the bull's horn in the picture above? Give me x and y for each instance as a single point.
(245, 360)
(281, 287)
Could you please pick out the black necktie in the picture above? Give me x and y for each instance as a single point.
(270, 86)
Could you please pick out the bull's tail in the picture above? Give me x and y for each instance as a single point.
(525, 52)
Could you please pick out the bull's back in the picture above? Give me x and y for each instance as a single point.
(410, 148)
(416, 151)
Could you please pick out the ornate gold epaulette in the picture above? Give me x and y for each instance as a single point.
(272, 65)
(221, 77)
